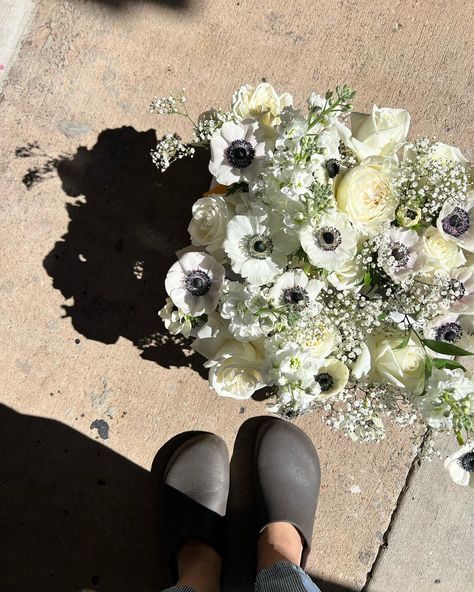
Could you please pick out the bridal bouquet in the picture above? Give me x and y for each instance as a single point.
(332, 264)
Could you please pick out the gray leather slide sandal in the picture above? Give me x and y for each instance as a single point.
(287, 478)
(195, 491)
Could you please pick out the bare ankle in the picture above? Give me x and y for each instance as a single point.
(279, 541)
(199, 566)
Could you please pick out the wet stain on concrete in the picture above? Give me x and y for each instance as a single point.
(102, 428)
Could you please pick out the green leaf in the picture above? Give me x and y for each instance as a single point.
(235, 187)
(459, 438)
(449, 364)
(404, 343)
(441, 347)
(367, 278)
(428, 367)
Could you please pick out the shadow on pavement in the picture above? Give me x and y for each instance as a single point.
(77, 516)
(126, 223)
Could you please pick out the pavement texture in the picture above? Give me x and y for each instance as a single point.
(92, 387)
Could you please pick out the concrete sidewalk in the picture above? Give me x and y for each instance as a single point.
(92, 386)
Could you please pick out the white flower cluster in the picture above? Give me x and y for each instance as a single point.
(169, 149)
(333, 265)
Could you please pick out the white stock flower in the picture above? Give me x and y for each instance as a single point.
(209, 222)
(292, 128)
(452, 328)
(379, 133)
(441, 255)
(289, 363)
(177, 321)
(331, 243)
(294, 288)
(460, 465)
(236, 371)
(211, 336)
(447, 391)
(194, 283)
(293, 400)
(235, 152)
(257, 250)
(399, 254)
(367, 196)
(332, 377)
(404, 367)
(261, 102)
(456, 223)
(241, 304)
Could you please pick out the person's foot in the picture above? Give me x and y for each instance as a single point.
(196, 487)
(287, 477)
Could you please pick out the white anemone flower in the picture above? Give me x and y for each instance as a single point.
(399, 255)
(258, 251)
(235, 152)
(462, 281)
(294, 288)
(194, 282)
(454, 329)
(332, 377)
(456, 223)
(331, 243)
(461, 465)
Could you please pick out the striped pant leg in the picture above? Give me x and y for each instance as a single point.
(284, 577)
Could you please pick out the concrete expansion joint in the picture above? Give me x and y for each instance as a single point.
(384, 544)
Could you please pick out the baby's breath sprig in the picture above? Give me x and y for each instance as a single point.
(173, 104)
(425, 182)
(169, 149)
(208, 123)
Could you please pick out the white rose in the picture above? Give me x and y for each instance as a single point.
(445, 152)
(349, 276)
(441, 255)
(209, 222)
(366, 195)
(261, 102)
(237, 370)
(379, 133)
(402, 367)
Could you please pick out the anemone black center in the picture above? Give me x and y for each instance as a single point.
(296, 296)
(410, 214)
(450, 332)
(467, 462)
(456, 223)
(197, 282)
(400, 253)
(240, 153)
(325, 381)
(328, 238)
(259, 246)
(333, 167)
